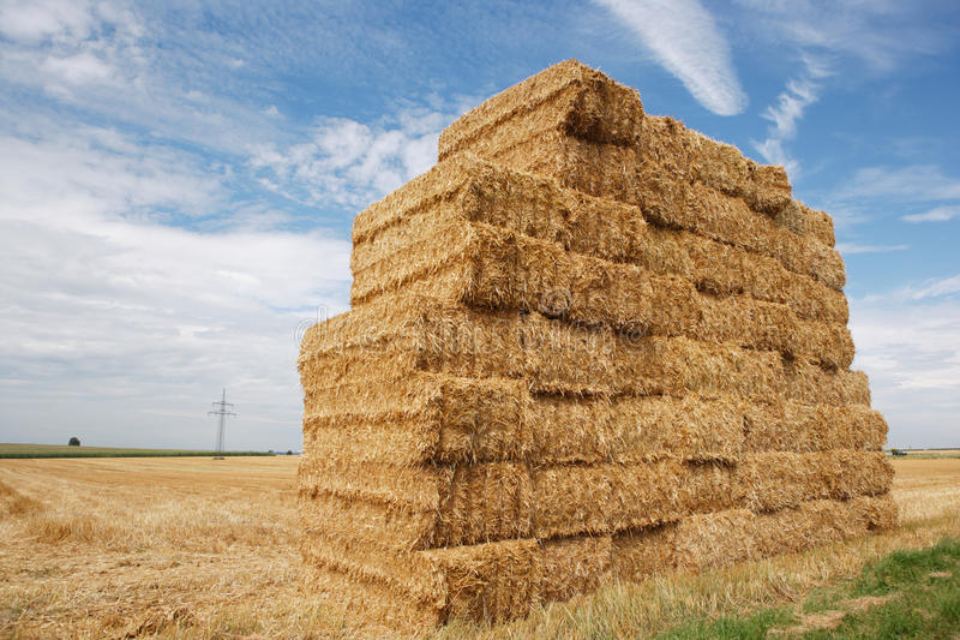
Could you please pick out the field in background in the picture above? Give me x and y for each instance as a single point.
(9, 450)
(191, 547)
(933, 453)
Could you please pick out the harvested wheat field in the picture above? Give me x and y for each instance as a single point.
(195, 548)
(589, 346)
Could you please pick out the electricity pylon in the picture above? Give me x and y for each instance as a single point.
(222, 411)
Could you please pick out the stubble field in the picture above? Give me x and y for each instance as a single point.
(196, 548)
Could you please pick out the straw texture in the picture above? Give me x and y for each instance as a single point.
(590, 344)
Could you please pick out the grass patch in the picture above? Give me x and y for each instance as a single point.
(64, 451)
(906, 594)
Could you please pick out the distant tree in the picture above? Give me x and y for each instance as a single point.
(74, 441)
(289, 452)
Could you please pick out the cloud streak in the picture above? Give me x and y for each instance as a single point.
(908, 341)
(122, 319)
(350, 163)
(937, 214)
(853, 248)
(684, 38)
(912, 183)
(800, 93)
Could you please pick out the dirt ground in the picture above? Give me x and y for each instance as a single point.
(192, 547)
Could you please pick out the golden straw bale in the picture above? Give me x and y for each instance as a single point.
(790, 426)
(425, 418)
(771, 326)
(569, 97)
(494, 581)
(614, 172)
(481, 265)
(575, 566)
(808, 383)
(667, 143)
(470, 504)
(607, 498)
(369, 604)
(629, 429)
(410, 334)
(712, 540)
(773, 481)
(724, 269)
(819, 225)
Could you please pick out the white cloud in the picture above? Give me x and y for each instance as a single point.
(880, 34)
(35, 20)
(685, 39)
(852, 248)
(910, 347)
(800, 93)
(352, 163)
(935, 289)
(913, 183)
(125, 327)
(937, 214)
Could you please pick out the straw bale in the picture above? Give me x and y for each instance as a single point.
(669, 144)
(722, 167)
(537, 208)
(568, 97)
(369, 604)
(819, 225)
(610, 171)
(418, 334)
(596, 169)
(427, 418)
(470, 504)
(492, 582)
(468, 189)
(485, 266)
(410, 334)
(769, 189)
(712, 540)
(607, 498)
(768, 325)
(489, 582)
(773, 481)
(575, 566)
(790, 426)
(727, 219)
(804, 221)
(626, 429)
(419, 419)
(398, 508)
(723, 269)
(808, 383)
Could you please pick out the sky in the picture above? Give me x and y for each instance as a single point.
(178, 180)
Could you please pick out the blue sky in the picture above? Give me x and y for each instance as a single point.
(178, 180)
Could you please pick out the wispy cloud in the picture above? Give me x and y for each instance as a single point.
(800, 93)
(912, 183)
(353, 163)
(937, 214)
(936, 288)
(684, 38)
(908, 341)
(853, 248)
(880, 34)
(117, 313)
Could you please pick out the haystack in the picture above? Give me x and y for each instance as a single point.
(589, 345)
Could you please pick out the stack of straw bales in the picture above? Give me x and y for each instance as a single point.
(589, 345)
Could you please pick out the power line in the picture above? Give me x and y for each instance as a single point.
(222, 411)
